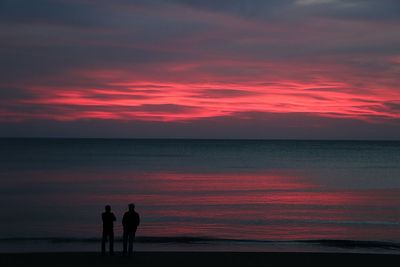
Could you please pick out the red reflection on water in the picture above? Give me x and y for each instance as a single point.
(277, 205)
(272, 205)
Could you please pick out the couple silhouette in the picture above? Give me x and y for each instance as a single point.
(130, 222)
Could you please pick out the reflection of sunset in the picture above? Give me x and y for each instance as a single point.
(189, 189)
(260, 204)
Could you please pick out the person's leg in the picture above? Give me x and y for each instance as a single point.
(131, 235)
(125, 241)
(103, 243)
(111, 242)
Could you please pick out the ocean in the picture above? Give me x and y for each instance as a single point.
(208, 195)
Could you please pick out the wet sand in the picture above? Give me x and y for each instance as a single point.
(231, 259)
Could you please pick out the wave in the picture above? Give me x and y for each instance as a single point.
(210, 240)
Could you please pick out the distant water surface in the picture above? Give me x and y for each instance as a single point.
(269, 191)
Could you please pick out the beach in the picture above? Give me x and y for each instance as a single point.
(231, 259)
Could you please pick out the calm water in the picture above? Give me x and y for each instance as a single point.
(229, 194)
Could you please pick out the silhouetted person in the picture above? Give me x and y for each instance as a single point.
(130, 222)
(108, 230)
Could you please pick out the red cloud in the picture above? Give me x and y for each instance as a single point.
(186, 101)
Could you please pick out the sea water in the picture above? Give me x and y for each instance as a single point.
(241, 195)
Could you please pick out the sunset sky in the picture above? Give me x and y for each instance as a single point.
(327, 69)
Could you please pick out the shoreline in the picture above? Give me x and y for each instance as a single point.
(220, 259)
(200, 244)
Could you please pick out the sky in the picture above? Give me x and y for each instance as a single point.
(282, 69)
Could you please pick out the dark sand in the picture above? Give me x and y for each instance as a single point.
(187, 259)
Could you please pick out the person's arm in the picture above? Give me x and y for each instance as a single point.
(138, 219)
(113, 217)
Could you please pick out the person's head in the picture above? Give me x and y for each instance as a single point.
(108, 208)
(131, 207)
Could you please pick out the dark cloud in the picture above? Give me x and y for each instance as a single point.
(14, 93)
(166, 108)
(296, 9)
(60, 112)
(393, 106)
(354, 9)
(52, 12)
(224, 93)
(151, 32)
(111, 97)
(249, 9)
(252, 125)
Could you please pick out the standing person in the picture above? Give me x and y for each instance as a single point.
(108, 230)
(130, 222)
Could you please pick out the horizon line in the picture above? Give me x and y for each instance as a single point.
(200, 139)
